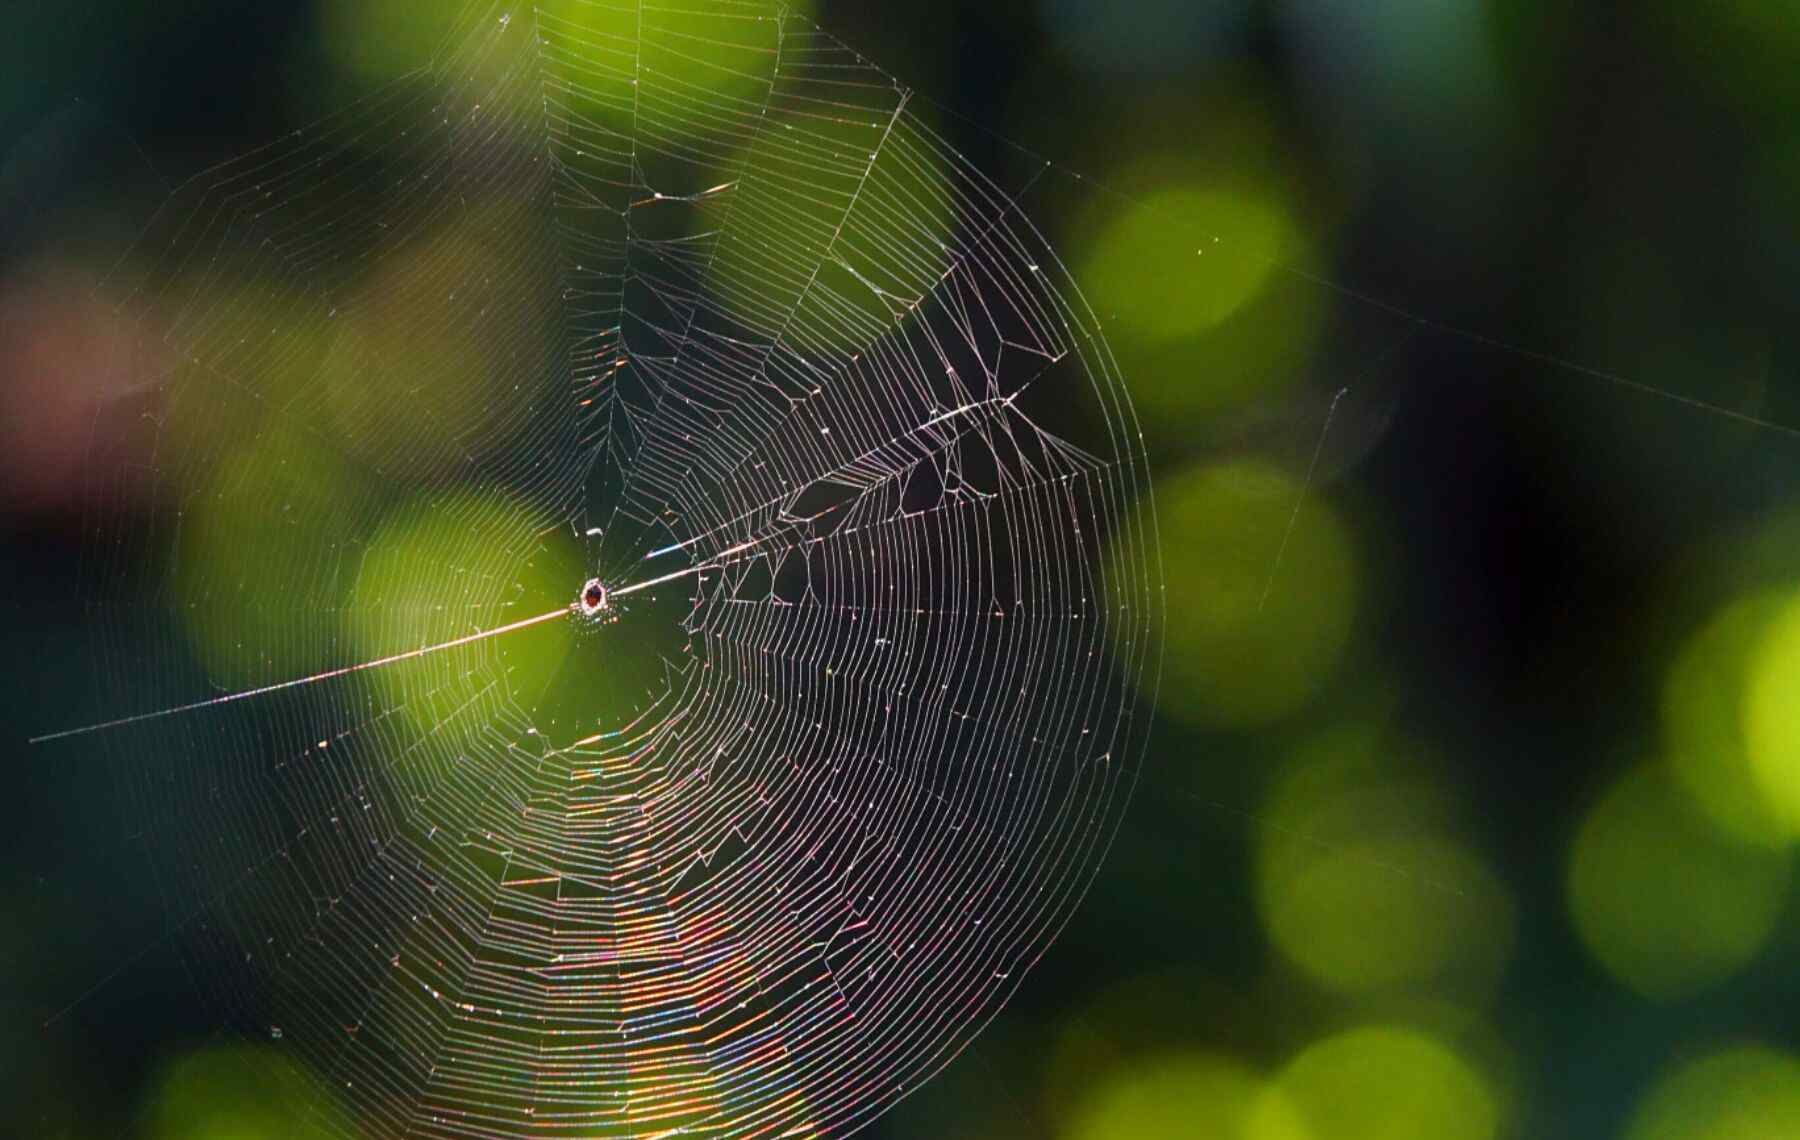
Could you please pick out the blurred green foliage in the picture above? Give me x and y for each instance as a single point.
(1502, 545)
(249, 607)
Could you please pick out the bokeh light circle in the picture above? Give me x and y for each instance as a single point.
(1389, 1082)
(1186, 279)
(1771, 717)
(1264, 583)
(1717, 687)
(1193, 1095)
(1362, 881)
(1744, 1092)
(1667, 903)
(239, 1092)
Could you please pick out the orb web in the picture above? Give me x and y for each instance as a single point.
(687, 322)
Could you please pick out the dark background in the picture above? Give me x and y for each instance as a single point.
(1536, 265)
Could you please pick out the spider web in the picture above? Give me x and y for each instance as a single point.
(694, 301)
